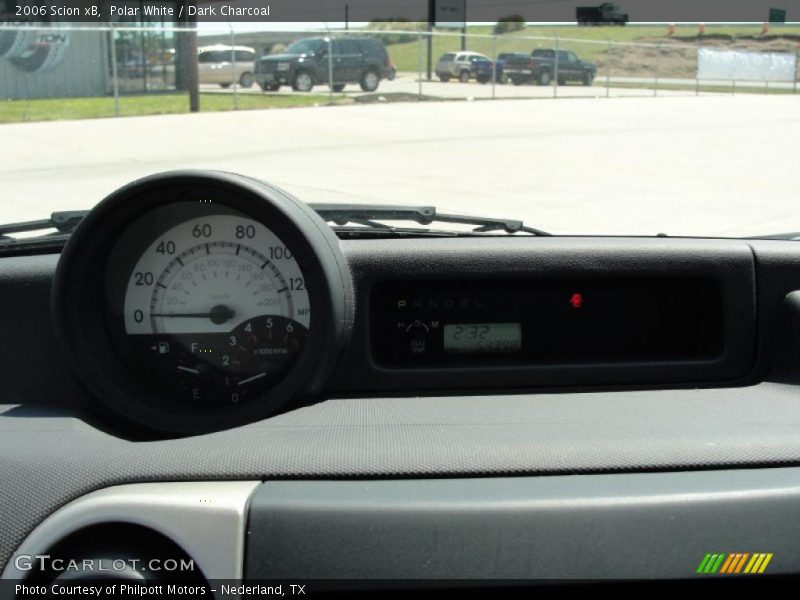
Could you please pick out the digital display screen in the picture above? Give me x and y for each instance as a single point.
(483, 337)
(556, 321)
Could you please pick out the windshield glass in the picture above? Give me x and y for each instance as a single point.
(305, 47)
(620, 128)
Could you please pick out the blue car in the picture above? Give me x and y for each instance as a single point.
(482, 70)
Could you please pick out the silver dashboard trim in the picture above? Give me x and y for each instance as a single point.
(207, 519)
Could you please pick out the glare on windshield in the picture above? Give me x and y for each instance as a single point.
(304, 47)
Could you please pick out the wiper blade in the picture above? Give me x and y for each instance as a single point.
(368, 216)
(361, 232)
(789, 236)
(373, 215)
(64, 222)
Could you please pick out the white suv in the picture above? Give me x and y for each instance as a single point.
(457, 65)
(226, 65)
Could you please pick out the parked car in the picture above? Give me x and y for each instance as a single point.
(306, 63)
(226, 65)
(482, 69)
(457, 65)
(541, 67)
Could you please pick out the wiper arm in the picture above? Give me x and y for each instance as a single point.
(368, 216)
(64, 222)
(372, 215)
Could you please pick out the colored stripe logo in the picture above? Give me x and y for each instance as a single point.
(734, 563)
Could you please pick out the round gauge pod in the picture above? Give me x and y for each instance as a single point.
(188, 302)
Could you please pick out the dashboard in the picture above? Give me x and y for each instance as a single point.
(190, 302)
(207, 335)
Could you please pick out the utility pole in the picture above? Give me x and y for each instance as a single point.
(431, 19)
(188, 46)
(346, 17)
(464, 29)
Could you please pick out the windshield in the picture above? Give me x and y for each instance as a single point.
(621, 128)
(305, 47)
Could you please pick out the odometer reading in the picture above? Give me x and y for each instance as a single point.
(482, 337)
(217, 308)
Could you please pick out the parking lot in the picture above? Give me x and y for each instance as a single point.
(714, 165)
(411, 84)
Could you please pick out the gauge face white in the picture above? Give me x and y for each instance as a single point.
(217, 308)
(210, 275)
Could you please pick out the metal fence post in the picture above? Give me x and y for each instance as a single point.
(608, 69)
(114, 74)
(658, 64)
(419, 64)
(235, 84)
(330, 70)
(494, 64)
(430, 44)
(697, 71)
(555, 71)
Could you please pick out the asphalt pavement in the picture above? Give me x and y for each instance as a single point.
(411, 83)
(714, 165)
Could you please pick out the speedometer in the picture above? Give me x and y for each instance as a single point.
(190, 302)
(217, 306)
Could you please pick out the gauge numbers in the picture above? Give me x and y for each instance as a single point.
(218, 308)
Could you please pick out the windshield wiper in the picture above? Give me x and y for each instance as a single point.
(350, 220)
(64, 222)
(791, 236)
(369, 218)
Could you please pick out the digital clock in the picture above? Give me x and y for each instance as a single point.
(482, 337)
(539, 322)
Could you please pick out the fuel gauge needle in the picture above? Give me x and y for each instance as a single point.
(188, 370)
(253, 378)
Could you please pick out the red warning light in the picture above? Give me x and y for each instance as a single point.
(576, 300)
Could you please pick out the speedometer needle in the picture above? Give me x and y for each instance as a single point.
(183, 315)
(219, 314)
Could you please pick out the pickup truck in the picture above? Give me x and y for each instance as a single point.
(605, 14)
(482, 67)
(541, 67)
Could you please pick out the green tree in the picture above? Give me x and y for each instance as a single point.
(509, 24)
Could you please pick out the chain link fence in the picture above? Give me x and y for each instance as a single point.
(54, 72)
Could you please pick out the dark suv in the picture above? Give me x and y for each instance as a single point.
(306, 63)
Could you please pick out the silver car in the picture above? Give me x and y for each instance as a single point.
(457, 65)
(226, 65)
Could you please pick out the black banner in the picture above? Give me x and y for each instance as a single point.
(589, 12)
(265, 589)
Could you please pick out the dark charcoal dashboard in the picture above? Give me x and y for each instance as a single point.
(656, 372)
